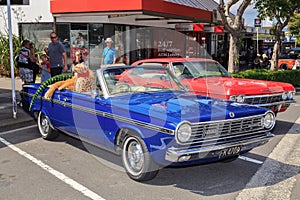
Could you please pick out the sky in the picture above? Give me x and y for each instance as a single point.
(249, 15)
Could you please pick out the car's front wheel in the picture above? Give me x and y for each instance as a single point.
(137, 160)
(284, 67)
(45, 128)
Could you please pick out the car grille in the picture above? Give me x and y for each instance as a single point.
(263, 99)
(222, 132)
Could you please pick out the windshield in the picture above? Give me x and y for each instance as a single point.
(120, 80)
(199, 69)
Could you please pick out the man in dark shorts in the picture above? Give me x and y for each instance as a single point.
(57, 55)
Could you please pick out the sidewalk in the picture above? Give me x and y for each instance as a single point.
(7, 122)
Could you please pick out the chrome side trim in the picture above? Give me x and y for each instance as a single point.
(108, 115)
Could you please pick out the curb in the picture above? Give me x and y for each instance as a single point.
(17, 125)
(23, 119)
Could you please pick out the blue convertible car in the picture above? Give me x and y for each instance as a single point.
(146, 116)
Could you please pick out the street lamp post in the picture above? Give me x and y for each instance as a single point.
(257, 24)
(14, 101)
(257, 50)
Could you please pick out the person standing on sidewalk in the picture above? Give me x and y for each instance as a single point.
(25, 58)
(34, 65)
(57, 55)
(109, 54)
(45, 66)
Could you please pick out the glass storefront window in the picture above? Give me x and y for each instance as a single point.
(38, 33)
(120, 42)
(63, 32)
(96, 39)
(168, 43)
(79, 40)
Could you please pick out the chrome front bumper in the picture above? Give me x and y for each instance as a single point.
(174, 154)
(276, 103)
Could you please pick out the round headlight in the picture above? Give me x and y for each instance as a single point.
(237, 98)
(232, 98)
(284, 96)
(240, 99)
(269, 120)
(184, 132)
(290, 95)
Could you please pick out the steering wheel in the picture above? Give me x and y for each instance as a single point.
(123, 87)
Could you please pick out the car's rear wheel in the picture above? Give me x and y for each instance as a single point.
(284, 66)
(137, 160)
(45, 128)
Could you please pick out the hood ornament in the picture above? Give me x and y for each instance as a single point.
(231, 114)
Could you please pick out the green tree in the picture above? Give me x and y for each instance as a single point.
(5, 53)
(235, 26)
(294, 26)
(280, 11)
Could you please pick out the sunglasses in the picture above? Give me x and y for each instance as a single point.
(53, 37)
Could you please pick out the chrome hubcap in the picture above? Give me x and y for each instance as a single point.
(45, 125)
(135, 156)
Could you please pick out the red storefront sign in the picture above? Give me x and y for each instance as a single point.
(218, 29)
(198, 27)
(190, 27)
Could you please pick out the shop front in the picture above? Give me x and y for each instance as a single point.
(139, 28)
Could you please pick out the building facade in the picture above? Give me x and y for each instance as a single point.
(140, 28)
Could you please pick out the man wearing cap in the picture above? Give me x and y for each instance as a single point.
(109, 53)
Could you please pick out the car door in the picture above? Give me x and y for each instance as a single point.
(88, 117)
(79, 114)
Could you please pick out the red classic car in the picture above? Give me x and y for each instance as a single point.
(208, 77)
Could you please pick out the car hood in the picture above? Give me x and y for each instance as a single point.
(177, 107)
(233, 86)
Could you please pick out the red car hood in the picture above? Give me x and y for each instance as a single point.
(227, 86)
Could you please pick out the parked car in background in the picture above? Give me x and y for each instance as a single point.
(287, 60)
(208, 77)
(147, 117)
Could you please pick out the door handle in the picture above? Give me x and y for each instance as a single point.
(67, 100)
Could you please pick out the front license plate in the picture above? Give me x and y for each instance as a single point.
(231, 151)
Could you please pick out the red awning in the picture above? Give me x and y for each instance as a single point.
(159, 8)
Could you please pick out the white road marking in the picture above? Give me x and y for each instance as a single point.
(15, 130)
(250, 160)
(75, 185)
(276, 178)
